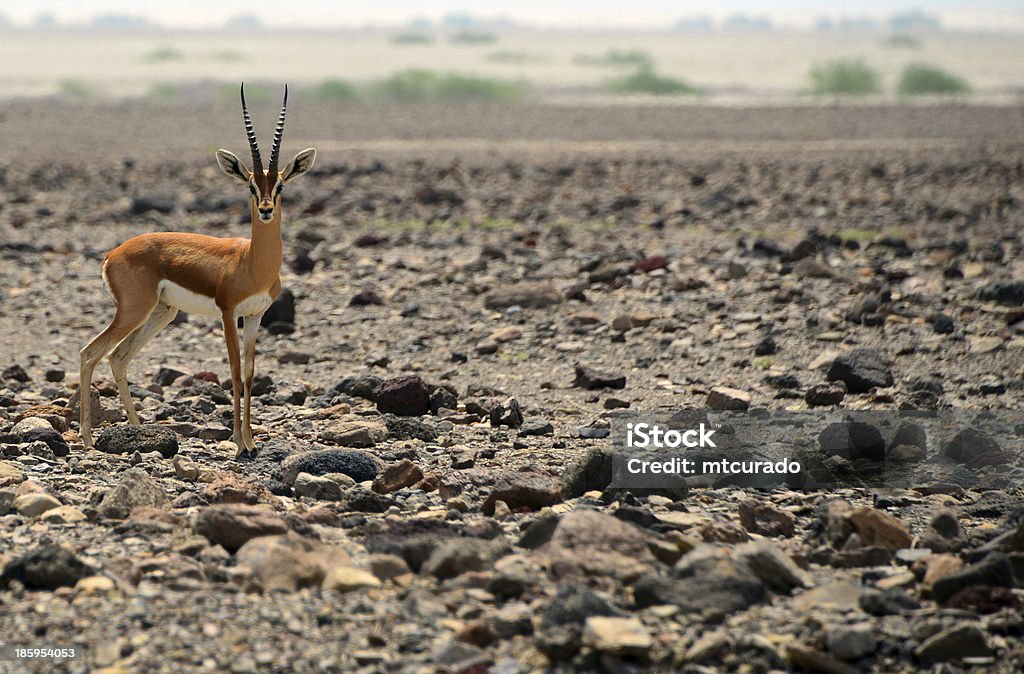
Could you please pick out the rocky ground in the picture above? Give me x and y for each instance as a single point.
(435, 390)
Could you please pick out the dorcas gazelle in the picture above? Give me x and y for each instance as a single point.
(153, 276)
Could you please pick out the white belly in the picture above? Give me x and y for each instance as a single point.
(194, 303)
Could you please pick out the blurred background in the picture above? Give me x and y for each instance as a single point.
(742, 51)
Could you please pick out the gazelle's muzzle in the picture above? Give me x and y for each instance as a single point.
(266, 210)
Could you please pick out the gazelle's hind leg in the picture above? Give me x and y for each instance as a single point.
(251, 325)
(130, 346)
(130, 316)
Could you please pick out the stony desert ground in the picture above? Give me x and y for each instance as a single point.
(475, 291)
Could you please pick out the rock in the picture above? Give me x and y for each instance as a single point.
(405, 396)
(349, 579)
(513, 619)
(879, 528)
(944, 533)
(7, 497)
(823, 395)
(136, 488)
(366, 297)
(63, 515)
(386, 566)
(985, 599)
(404, 473)
(507, 413)
(10, 474)
(995, 570)
(443, 397)
(95, 585)
(232, 526)
(355, 433)
(772, 566)
(812, 660)
(861, 370)
(280, 313)
(46, 567)
(360, 500)
(1010, 293)
(289, 561)
(457, 556)
(725, 398)
(851, 642)
(969, 445)
(34, 504)
(536, 427)
(892, 601)
(528, 295)
(126, 439)
(15, 373)
(161, 203)
(316, 487)
(852, 440)
(592, 472)
(761, 517)
(591, 378)
(623, 637)
(981, 344)
(359, 466)
(955, 643)
(37, 429)
(509, 333)
(230, 488)
(563, 618)
(524, 490)
(711, 596)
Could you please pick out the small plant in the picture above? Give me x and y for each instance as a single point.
(336, 90)
(512, 57)
(902, 41)
(412, 86)
(918, 80)
(646, 81)
(852, 78)
(71, 88)
(473, 37)
(163, 55)
(631, 58)
(412, 39)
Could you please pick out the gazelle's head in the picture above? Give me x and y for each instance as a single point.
(265, 185)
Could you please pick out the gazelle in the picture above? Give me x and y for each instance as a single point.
(153, 276)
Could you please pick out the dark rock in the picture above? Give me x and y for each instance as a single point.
(357, 465)
(34, 429)
(527, 295)
(852, 440)
(824, 395)
(406, 396)
(457, 556)
(969, 445)
(760, 517)
(782, 381)
(955, 643)
(366, 297)
(994, 570)
(711, 596)
(593, 472)
(444, 397)
(361, 500)
(409, 428)
(359, 387)
(161, 203)
(46, 567)
(1010, 293)
(232, 525)
(861, 370)
(281, 310)
(534, 427)
(563, 619)
(15, 373)
(507, 413)
(126, 439)
(892, 601)
(539, 531)
(591, 378)
(942, 324)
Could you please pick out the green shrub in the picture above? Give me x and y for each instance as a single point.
(163, 55)
(512, 57)
(412, 86)
(918, 80)
(631, 58)
(472, 37)
(71, 88)
(336, 90)
(853, 78)
(411, 39)
(646, 81)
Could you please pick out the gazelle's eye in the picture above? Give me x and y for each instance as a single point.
(252, 188)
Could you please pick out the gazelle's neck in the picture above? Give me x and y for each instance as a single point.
(265, 247)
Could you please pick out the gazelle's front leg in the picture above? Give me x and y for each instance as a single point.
(251, 325)
(231, 340)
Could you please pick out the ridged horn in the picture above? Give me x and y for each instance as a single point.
(275, 151)
(257, 162)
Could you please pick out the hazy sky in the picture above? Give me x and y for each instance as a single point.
(654, 13)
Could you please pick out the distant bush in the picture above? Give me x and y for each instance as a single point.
(163, 93)
(646, 81)
(633, 58)
(471, 37)
(71, 88)
(336, 90)
(411, 38)
(854, 78)
(918, 80)
(228, 56)
(412, 86)
(512, 57)
(902, 41)
(163, 55)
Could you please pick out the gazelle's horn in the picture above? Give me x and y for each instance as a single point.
(275, 151)
(257, 163)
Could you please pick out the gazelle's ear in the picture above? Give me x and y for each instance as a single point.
(232, 165)
(296, 167)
